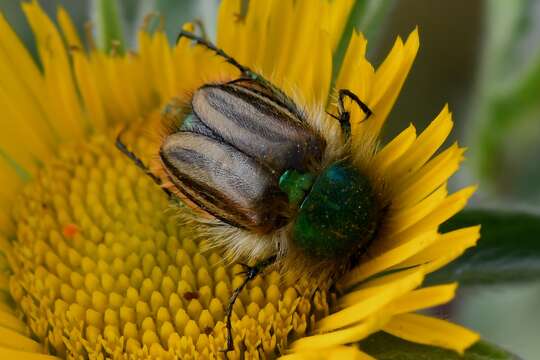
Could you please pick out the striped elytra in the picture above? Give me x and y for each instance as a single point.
(229, 152)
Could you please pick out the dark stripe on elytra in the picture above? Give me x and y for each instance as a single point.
(185, 163)
(293, 147)
(211, 134)
(295, 121)
(180, 180)
(268, 105)
(246, 121)
(286, 103)
(198, 160)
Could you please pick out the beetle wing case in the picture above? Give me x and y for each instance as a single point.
(228, 153)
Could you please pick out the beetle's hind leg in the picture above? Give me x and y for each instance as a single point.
(139, 163)
(251, 272)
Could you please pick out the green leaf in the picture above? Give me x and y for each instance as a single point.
(109, 25)
(367, 17)
(384, 346)
(508, 249)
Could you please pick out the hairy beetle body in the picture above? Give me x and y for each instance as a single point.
(282, 184)
(264, 170)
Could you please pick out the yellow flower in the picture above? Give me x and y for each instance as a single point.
(93, 265)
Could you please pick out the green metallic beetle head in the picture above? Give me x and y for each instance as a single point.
(338, 210)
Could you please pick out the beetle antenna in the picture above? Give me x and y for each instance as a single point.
(251, 272)
(138, 162)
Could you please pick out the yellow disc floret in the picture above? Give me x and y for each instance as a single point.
(101, 269)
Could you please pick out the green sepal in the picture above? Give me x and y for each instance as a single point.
(383, 346)
(508, 250)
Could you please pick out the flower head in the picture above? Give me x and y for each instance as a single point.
(94, 264)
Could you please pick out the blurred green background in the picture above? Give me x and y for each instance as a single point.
(483, 58)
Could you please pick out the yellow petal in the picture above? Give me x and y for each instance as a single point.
(10, 180)
(10, 321)
(442, 212)
(283, 33)
(22, 80)
(332, 353)
(388, 258)
(5, 306)
(62, 101)
(430, 331)
(226, 34)
(255, 32)
(389, 79)
(88, 87)
(354, 313)
(424, 147)
(394, 150)
(402, 219)
(356, 51)
(6, 353)
(417, 186)
(300, 68)
(322, 70)
(339, 337)
(4, 282)
(68, 29)
(423, 298)
(335, 20)
(447, 247)
(13, 340)
(372, 287)
(26, 128)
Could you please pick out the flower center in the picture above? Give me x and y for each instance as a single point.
(100, 268)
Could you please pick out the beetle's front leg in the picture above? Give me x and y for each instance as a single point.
(139, 163)
(344, 115)
(251, 273)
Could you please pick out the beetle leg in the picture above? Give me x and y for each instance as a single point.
(251, 273)
(138, 162)
(199, 23)
(344, 115)
(207, 44)
(342, 93)
(246, 71)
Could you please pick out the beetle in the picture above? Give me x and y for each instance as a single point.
(280, 183)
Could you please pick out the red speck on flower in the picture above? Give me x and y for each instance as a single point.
(70, 230)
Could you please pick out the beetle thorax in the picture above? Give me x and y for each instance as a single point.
(338, 216)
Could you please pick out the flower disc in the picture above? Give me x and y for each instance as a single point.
(101, 268)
